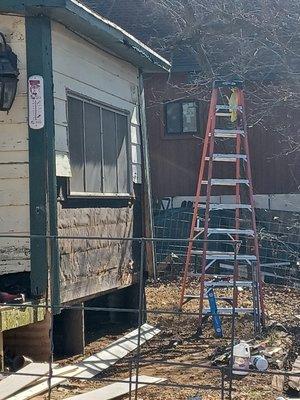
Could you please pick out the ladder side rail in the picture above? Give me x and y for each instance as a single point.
(212, 108)
(207, 209)
(256, 248)
(237, 198)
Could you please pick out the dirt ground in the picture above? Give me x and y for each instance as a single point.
(177, 344)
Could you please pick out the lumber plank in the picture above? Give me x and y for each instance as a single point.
(294, 381)
(13, 383)
(115, 351)
(93, 365)
(42, 385)
(117, 389)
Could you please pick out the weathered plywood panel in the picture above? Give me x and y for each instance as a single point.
(93, 266)
(14, 182)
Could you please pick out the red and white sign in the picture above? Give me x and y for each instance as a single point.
(36, 107)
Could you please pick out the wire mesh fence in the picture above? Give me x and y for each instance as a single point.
(278, 232)
(223, 385)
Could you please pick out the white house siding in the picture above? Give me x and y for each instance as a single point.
(91, 267)
(85, 69)
(14, 175)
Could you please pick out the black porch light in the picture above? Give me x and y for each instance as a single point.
(8, 75)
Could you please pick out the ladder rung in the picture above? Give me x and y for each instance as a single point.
(227, 157)
(226, 206)
(197, 296)
(223, 114)
(227, 182)
(226, 107)
(228, 311)
(225, 284)
(217, 255)
(248, 232)
(220, 298)
(227, 133)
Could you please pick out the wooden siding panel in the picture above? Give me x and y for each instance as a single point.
(14, 182)
(14, 192)
(90, 266)
(74, 44)
(13, 137)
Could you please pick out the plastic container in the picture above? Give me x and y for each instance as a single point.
(260, 363)
(241, 358)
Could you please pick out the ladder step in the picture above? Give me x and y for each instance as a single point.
(227, 157)
(217, 255)
(220, 298)
(223, 114)
(228, 311)
(227, 107)
(227, 182)
(227, 133)
(197, 296)
(226, 284)
(247, 232)
(226, 206)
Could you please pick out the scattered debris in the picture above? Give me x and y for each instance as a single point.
(294, 381)
(241, 358)
(11, 298)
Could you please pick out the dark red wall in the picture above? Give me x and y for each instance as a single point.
(175, 159)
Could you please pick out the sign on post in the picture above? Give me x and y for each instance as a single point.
(36, 107)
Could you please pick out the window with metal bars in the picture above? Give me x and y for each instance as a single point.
(98, 145)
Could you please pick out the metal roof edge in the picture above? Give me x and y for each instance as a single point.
(128, 39)
(82, 20)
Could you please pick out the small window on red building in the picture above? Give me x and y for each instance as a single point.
(182, 117)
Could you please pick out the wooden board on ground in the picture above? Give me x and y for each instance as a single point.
(115, 351)
(93, 365)
(13, 383)
(117, 389)
(294, 381)
(42, 385)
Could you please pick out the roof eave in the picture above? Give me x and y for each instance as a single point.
(95, 28)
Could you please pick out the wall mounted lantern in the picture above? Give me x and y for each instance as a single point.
(8, 75)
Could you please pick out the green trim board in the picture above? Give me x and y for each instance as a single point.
(93, 27)
(42, 175)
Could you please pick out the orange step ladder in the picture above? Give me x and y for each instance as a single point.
(226, 129)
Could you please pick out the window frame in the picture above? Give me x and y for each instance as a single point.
(182, 134)
(102, 105)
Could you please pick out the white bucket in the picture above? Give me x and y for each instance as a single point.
(241, 358)
(260, 363)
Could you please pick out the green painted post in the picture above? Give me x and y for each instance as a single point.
(42, 174)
